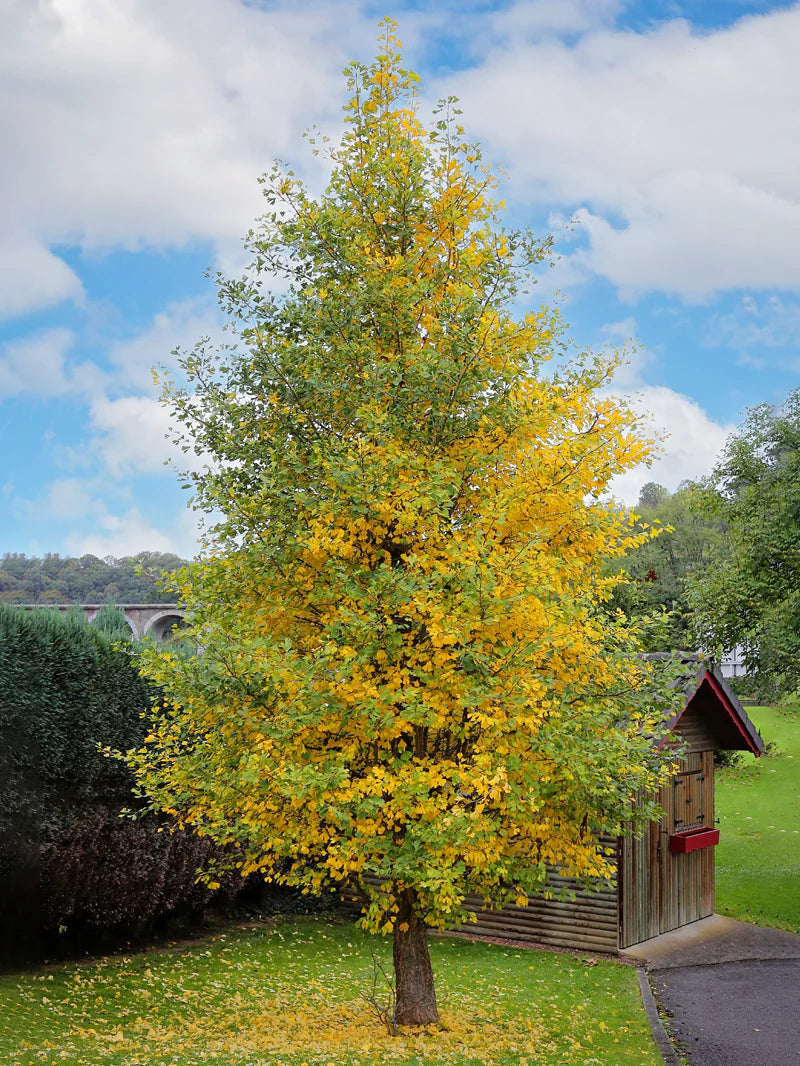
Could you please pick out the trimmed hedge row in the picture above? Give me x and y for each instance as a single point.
(72, 872)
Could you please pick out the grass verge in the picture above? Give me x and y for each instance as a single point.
(758, 804)
(288, 995)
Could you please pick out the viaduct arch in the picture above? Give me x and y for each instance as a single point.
(157, 620)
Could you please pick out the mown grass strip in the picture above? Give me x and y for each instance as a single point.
(288, 995)
(758, 804)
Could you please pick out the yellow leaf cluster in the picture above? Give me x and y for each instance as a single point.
(403, 664)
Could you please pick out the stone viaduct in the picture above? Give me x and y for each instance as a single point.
(145, 619)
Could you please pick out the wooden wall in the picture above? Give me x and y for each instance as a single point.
(693, 731)
(639, 883)
(587, 922)
(655, 890)
(689, 879)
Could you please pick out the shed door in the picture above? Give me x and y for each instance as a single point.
(687, 881)
(660, 890)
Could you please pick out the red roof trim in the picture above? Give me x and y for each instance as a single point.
(728, 707)
(731, 712)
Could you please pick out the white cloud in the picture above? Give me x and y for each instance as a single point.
(36, 364)
(693, 441)
(539, 18)
(771, 322)
(680, 148)
(31, 276)
(129, 533)
(179, 325)
(131, 435)
(103, 521)
(42, 364)
(696, 232)
(558, 282)
(623, 331)
(138, 123)
(623, 337)
(68, 498)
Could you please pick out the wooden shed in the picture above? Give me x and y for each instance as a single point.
(665, 877)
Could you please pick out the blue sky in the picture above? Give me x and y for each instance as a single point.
(133, 132)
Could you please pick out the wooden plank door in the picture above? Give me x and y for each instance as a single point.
(659, 890)
(686, 890)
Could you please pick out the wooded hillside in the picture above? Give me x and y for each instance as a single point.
(53, 579)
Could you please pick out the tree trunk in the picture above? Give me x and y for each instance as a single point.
(416, 996)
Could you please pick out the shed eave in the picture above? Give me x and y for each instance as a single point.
(728, 704)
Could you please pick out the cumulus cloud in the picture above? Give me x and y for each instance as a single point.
(679, 149)
(128, 431)
(43, 364)
(179, 325)
(68, 498)
(36, 364)
(540, 18)
(110, 526)
(32, 276)
(758, 325)
(131, 435)
(692, 441)
(623, 336)
(101, 520)
(128, 533)
(138, 123)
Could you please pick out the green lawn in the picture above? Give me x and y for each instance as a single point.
(758, 804)
(288, 994)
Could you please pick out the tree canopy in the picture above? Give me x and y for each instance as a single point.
(689, 538)
(403, 669)
(750, 596)
(57, 579)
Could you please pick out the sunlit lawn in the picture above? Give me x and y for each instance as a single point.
(289, 993)
(758, 804)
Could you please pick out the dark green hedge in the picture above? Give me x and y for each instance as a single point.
(71, 870)
(65, 688)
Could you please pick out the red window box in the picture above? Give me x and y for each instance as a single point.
(692, 839)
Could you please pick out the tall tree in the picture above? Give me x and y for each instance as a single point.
(402, 667)
(689, 537)
(750, 597)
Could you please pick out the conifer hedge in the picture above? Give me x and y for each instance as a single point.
(71, 870)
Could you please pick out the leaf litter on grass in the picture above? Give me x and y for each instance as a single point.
(290, 995)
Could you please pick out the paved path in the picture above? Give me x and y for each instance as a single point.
(732, 991)
(734, 1013)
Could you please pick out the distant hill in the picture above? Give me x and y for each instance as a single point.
(54, 579)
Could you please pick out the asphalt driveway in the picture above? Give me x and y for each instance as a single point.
(731, 991)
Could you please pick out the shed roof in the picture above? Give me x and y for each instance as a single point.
(711, 701)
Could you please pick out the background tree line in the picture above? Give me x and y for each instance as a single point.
(725, 571)
(57, 579)
(691, 538)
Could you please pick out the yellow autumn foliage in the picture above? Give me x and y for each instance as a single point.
(403, 665)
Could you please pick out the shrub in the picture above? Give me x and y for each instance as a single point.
(106, 879)
(71, 870)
